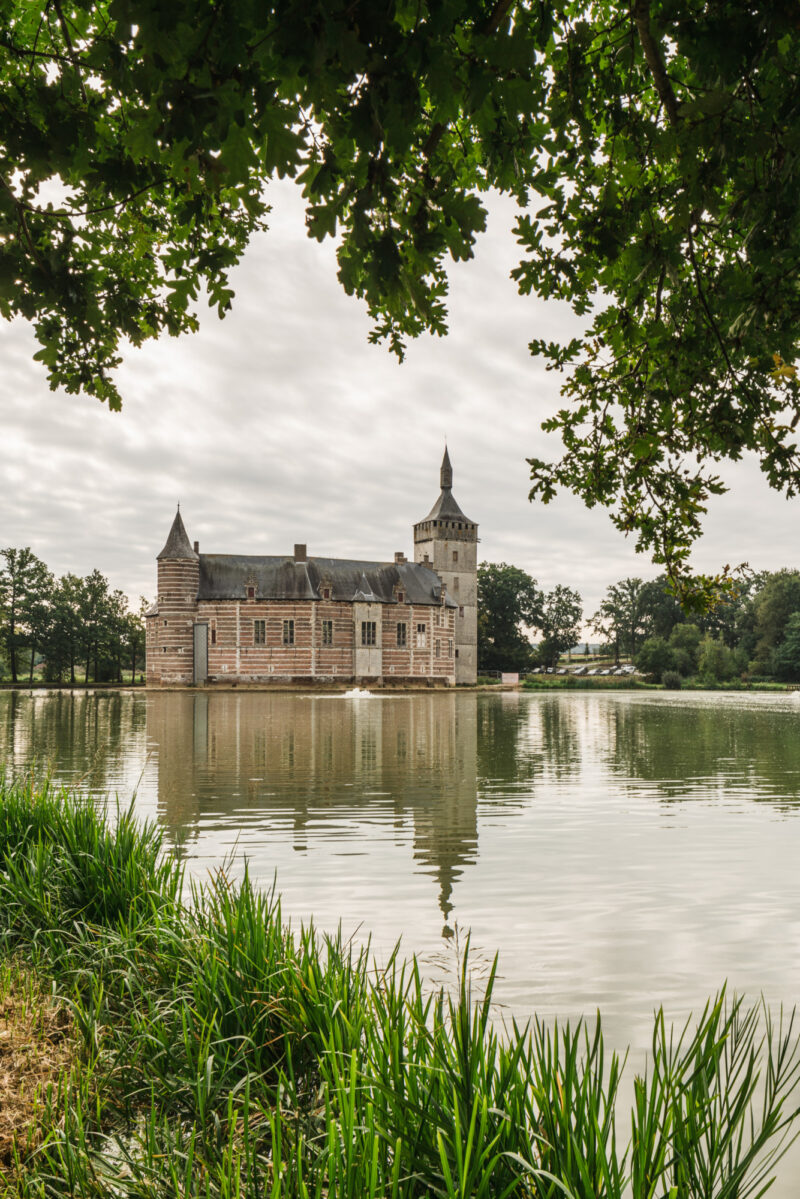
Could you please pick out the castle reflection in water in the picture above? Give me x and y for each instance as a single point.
(305, 760)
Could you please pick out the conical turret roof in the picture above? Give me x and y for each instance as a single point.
(178, 544)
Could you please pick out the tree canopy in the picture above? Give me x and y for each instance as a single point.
(509, 601)
(67, 622)
(560, 622)
(623, 618)
(652, 145)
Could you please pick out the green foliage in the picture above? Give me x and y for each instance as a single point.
(716, 662)
(560, 623)
(684, 642)
(662, 607)
(25, 584)
(508, 602)
(774, 603)
(655, 143)
(678, 654)
(223, 1054)
(655, 658)
(69, 622)
(785, 657)
(671, 680)
(623, 618)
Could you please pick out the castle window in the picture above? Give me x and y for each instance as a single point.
(259, 632)
(327, 632)
(438, 649)
(288, 632)
(455, 583)
(449, 649)
(326, 593)
(401, 597)
(461, 610)
(402, 634)
(165, 624)
(213, 634)
(421, 636)
(368, 632)
(251, 593)
(455, 553)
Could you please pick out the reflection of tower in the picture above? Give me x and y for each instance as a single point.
(450, 543)
(443, 773)
(291, 765)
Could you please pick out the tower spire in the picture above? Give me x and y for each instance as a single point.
(178, 545)
(446, 473)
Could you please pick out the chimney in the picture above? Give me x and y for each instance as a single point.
(197, 547)
(300, 553)
(400, 557)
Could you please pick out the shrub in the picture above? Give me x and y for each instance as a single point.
(717, 663)
(671, 680)
(684, 641)
(654, 657)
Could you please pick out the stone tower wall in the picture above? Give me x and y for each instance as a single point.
(453, 554)
(170, 647)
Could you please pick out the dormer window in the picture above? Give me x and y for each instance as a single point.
(401, 597)
(326, 593)
(251, 593)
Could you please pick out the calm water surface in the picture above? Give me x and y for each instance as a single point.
(619, 851)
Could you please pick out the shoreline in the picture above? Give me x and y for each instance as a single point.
(215, 1050)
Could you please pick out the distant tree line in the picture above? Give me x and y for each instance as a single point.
(510, 607)
(754, 634)
(74, 629)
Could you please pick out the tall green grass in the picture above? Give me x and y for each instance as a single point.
(225, 1055)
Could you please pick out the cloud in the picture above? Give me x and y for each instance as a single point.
(282, 424)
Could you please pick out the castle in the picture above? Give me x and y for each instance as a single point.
(233, 618)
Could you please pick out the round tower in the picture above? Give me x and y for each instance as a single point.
(170, 642)
(448, 540)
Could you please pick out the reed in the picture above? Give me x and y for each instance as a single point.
(223, 1054)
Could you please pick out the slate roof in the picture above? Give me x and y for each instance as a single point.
(225, 576)
(446, 471)
(446, 507)
(178, 544)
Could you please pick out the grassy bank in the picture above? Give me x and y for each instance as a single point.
(566, 682)
(580, 683)
(210, 1051)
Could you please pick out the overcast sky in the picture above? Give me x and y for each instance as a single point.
(281, 424)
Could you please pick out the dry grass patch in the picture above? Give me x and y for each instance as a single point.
(36, 1048)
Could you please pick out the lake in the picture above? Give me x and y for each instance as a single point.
(617, 850)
